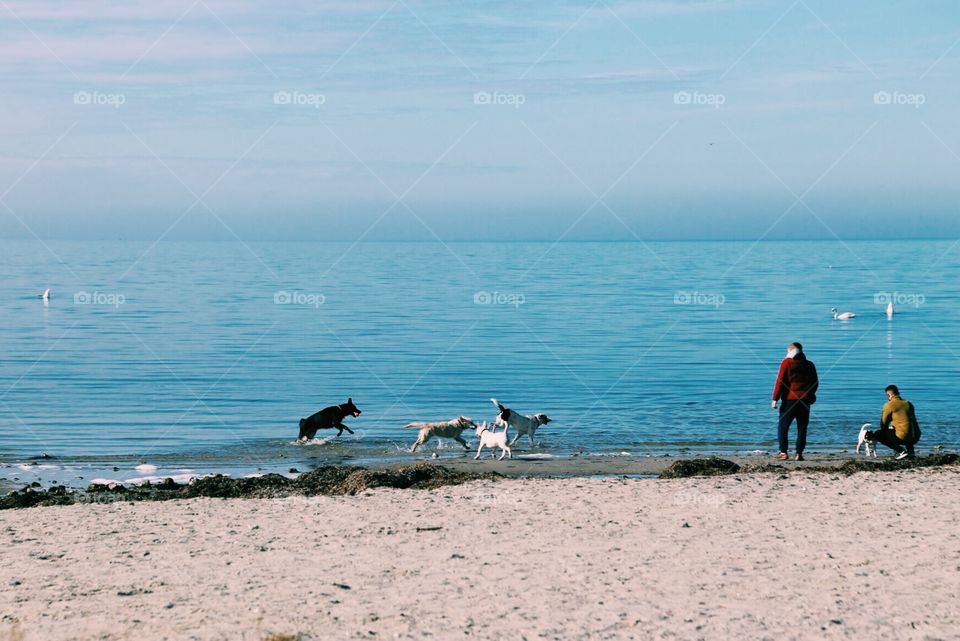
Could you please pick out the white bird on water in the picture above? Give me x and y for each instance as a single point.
(890, 310)
(843, 316)
(45, 296)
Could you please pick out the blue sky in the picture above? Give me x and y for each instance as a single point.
(479, 120)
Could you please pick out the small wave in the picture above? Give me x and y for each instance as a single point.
(535, 457)
(105, 482)
(146, 468)
(177, 478)
(313, 441)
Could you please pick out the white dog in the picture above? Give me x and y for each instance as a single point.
(870, 445)
(441, 429)
(523, 424)
(491, 439)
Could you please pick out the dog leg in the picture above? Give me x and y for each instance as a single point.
(342, 427)
(532, 444)
(503, 452)
(479, 449)
(509, 453)
(416, 444)
(461, 442)
(515, 439)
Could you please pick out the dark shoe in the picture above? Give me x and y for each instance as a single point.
(798, 457)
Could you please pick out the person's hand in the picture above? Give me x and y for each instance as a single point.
(773, 405)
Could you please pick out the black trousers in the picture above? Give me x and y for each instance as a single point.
(889, 438)
(790, 411)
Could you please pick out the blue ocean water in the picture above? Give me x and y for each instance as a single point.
(196, 354)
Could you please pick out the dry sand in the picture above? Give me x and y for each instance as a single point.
(812, 556)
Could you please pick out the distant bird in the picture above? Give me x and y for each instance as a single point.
(890, 310)
(843, 316)
(45, 296)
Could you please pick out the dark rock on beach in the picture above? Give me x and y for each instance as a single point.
(219, 486)
(29, 497)
(340, 480)
(712, 466)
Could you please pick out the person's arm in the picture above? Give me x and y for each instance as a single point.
(914, 423)
(816, 381)
(781, 375)
(887, 415)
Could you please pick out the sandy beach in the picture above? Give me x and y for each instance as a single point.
(757, 556)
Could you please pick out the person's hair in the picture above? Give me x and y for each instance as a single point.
(798, 346)
(893, 388)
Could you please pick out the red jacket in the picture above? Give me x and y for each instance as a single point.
(797, 380)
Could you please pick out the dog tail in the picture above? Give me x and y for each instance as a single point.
(499, 405)
(410, 426)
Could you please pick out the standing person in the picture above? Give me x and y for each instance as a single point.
(906, 429)
(796, 390)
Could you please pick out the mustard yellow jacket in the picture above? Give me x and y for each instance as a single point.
(900, 413)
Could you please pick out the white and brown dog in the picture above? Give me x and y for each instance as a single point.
(491, 439)
(869, 444)
(442, 429)
(523, 424)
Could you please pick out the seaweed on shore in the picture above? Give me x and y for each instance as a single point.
(854, 465)
(712, 466)
(329, 480)
(885, 465)
(718, 467)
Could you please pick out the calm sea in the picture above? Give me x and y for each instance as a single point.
(205, 355)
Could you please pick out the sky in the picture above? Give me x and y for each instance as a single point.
(479, 120)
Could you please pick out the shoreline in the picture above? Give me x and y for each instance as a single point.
(352, 480)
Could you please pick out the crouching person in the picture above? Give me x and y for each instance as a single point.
(899, 429)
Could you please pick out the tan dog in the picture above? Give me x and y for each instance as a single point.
(442, 429)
